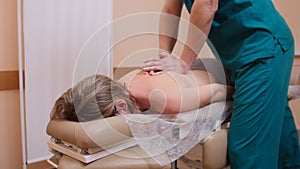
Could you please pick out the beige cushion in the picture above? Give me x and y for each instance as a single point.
(97, 133)
(115, 129)
(215, 150)
(131, 158)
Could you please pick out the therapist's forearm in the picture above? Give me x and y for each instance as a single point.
(201, 18)
(167, 41)
(169, 23)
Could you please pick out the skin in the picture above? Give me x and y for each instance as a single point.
(201, 16)
(172, 93)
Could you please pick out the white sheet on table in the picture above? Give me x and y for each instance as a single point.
(168, 137)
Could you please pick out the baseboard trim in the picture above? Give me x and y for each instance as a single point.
(40, 165)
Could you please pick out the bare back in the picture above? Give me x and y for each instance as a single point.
(142, 85)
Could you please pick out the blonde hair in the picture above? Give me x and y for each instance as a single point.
(92, 98)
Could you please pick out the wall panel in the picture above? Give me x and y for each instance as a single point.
(10, 125)
(55, 32)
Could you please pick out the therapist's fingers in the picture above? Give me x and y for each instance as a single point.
(152, 60)
(152, 64)
(157, 60)
(166, 61)
(154, 68)
(164, 54)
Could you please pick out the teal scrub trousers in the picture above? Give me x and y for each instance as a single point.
(262, 132)
(254, 42)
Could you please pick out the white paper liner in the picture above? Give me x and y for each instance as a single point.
(168, 137)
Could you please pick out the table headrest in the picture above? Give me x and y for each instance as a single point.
(98, 133)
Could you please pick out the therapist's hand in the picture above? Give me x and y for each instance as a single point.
(165, 62)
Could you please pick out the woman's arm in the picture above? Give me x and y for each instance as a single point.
(174, 100)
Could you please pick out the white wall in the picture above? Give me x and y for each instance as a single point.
(54, 33)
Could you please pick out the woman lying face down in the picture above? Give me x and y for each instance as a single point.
(98, 96)
(94, 97)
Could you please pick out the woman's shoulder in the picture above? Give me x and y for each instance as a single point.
(127, 78)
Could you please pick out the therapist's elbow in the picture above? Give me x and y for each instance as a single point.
(205, 7)
(211, 5)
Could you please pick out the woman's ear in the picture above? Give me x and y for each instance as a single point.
(121, 107)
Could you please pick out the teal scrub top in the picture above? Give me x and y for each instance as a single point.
(245, 30)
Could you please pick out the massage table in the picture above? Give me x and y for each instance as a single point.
(109, 144)
(74, 148)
